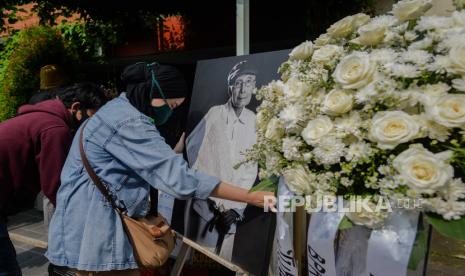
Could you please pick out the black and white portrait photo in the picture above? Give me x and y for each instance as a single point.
(225, 132)
(220, 128)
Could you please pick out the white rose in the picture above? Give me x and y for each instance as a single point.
(428, 94)
(391, 128)
(422, 170)
(410, 9)
(457, 59)
(360, 19)
(327, 53)
(459, 18)
(432, 92)
(432, 129)
(303, 51)
(370, 34)
(410, 36)
(295, 90)
(274, 130)
(317, 129)
(323, 39)
(459, 84)
(342, 28)
(299, 179)
(354, 71)
(368, 218)
(448, 110)
(337, 102)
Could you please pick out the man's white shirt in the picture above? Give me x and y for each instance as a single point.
(223, 138)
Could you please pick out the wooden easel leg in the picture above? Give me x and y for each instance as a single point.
(181, 259)
(299, 238)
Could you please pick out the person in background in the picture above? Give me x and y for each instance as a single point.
(52, 78)
(33, 149)
(125, 149)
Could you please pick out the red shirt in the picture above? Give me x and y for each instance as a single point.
(33, 149)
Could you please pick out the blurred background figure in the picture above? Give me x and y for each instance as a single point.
(52, 77)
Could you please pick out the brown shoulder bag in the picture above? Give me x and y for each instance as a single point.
(151, 237)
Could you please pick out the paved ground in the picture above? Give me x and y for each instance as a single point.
(31, 259)
(29, 235)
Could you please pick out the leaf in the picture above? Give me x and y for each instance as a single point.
(449, 228)
(345, 224)
(267, 185)
(419, 248)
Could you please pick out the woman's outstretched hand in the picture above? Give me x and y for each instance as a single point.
(261, 199)
(265, 200)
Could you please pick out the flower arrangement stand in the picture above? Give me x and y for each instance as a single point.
(189, 245)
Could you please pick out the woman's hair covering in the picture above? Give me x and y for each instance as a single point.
(138, 80)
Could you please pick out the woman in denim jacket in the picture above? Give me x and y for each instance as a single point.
(127, 152)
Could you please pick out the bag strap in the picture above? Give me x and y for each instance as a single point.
(153, 201)
(103, 189)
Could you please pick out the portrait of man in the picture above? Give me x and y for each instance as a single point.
(227, 131)
(221, 128)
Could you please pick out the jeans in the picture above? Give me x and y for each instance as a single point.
(8, 264)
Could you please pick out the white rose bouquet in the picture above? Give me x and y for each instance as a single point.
(374, 107)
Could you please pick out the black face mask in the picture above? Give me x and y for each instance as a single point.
(160, 114)
(145, 82)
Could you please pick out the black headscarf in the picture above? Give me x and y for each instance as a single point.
(138, 80)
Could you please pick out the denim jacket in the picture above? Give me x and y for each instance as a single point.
(128, 154)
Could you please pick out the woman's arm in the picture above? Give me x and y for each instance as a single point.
(140, 147)
(230, 192)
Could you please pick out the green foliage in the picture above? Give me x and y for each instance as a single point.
(345, 224)
(419, 247)
(267, 185)
(449, 228)
(85, 38)
(26, 51)
(20, 62)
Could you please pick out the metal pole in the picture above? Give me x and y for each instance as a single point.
(242, 27)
